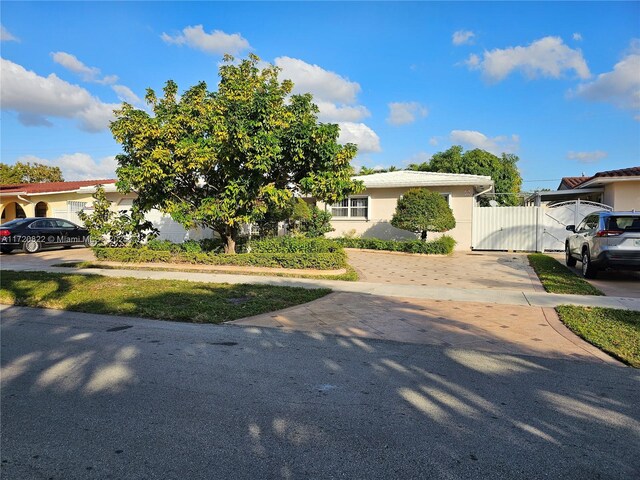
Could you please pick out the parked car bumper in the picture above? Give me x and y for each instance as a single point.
(618, 260)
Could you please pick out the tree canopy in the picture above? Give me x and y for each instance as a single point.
(421, 210)
(29, 173)
(225, 158)
(503, 170)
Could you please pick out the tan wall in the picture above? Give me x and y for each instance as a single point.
(382, 206)
(622, 195)
(55, 202)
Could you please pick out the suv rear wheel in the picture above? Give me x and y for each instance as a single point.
(588, 270)
(568, 259)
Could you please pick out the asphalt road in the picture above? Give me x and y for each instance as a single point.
(88, 396)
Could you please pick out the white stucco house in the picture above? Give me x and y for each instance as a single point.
(369, 213)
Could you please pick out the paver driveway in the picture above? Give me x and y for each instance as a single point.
(460, 270)
(479, 326)
(508, 329)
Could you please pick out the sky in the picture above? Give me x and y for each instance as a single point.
(557, 84)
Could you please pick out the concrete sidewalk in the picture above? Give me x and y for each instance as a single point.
(494, 296)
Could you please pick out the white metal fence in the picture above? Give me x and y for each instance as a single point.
(533, 229)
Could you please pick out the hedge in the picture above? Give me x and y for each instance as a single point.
(319, 261)
(294, 245)
(267, 245)
(443, 245)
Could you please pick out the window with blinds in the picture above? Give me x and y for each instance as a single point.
(352, 207)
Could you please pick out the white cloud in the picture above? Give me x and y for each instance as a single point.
(547, 57)
(323, 84)
(620, 87)
(366, 139)
(463, 37)
(587, 157)
(473, 62)
(88, 74)
(330, 112)
(336, 97)
(35, 98)
(433, 141)
(216, 42)
(6, 36)
(79, 166)
(402, 113)
(577, 37)
(126, 94)
(474, 139)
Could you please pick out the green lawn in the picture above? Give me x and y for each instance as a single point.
(350, 274)
(616, 332)
(556, 278)
(160, 299)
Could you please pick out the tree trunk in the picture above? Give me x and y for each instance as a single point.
(228, 235)
(230, 245)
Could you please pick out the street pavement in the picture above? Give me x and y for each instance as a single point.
(90, 396)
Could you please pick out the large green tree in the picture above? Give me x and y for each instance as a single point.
(29, 173)
(420, 210)
(225, 158)
(503, 170)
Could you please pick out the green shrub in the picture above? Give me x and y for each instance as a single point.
(321, 261)
(294, 245)
(134, 255)
(421, 210)
(443, 245)
(318, 223)
(162, 246)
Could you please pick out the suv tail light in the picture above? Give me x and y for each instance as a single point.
(5, 233)
(609, 233)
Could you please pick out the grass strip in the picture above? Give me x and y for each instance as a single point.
(349, 276)
(616, 332)
(556, 278)
(160, 299)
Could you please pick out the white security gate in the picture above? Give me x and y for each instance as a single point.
(505, 228)
(558, 216)
(532, 229)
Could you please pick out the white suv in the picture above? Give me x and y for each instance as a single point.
(605, 240)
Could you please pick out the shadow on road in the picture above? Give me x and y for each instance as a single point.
(137, 399)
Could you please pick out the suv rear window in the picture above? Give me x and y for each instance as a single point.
(627, 223)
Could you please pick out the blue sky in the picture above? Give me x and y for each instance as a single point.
(558, 84)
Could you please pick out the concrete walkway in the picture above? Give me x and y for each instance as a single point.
(528, 297)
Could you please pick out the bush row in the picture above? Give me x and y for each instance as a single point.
(319, 261)
(294, 245)
(442, 245)
(267, 245)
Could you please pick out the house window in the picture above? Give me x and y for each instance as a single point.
(340, 209)
(447, 197)
(352, 207)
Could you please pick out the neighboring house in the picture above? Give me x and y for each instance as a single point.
(54, 199)
(619, 189)
(369, 213)
(66, 199)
